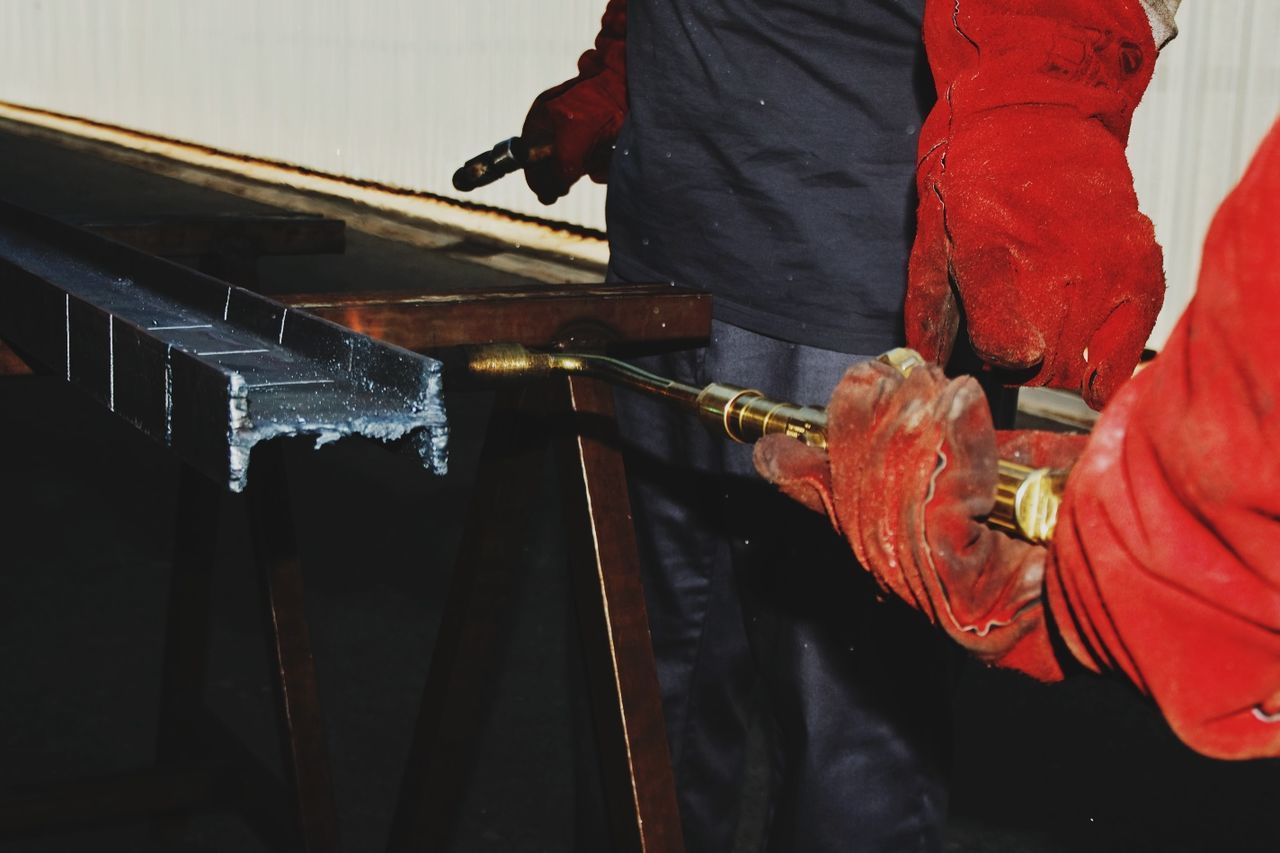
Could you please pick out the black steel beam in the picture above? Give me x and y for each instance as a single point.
(207, 368)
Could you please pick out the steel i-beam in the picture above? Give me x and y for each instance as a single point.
(206, 368)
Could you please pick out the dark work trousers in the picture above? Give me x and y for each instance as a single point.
(752, 597)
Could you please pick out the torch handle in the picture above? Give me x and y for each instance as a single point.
(509, 155)
(1026, 500)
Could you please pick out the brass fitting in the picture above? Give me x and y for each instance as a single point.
(1027, 499)
(745, 415)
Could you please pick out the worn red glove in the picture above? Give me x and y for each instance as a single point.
(581, 117)
(910, 475)
(1028, 223)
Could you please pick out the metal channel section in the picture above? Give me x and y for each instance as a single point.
(206, 368)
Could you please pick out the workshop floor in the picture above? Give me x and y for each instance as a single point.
(87, 533)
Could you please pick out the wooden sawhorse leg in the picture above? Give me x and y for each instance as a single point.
(639, 785)
(622, 677)
(302, 730)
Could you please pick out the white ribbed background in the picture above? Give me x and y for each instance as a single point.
(395, 91)
(1215, 94)
(400, 91)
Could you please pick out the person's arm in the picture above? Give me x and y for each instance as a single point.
(580, 118)
(1166, 561)
(1164, 565)
(1028, 224)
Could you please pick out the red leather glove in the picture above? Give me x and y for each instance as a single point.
(1165, 564)
(910, 475)
(581, 117)
(1028, 224)
(1166, 560)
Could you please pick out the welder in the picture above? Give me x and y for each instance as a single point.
(841, 184)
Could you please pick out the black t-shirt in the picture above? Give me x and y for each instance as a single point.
(769, 157)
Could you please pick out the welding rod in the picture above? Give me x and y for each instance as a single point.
(509, 155)
(1027, 498)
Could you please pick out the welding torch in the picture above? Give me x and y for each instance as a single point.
(1026, 499)
(509, 155)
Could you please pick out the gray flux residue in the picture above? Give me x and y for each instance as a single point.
(211, 374)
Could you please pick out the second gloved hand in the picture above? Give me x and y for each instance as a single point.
(1029, 226)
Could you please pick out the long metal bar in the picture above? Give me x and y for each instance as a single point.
(228, 246)
(206, 368)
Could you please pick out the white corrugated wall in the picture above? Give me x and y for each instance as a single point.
(394, 91)
(400, 91)
(1215, 93)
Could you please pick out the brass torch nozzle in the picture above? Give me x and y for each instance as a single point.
(505, 361)
(1026, 500)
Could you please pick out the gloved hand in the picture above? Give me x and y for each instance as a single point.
(580, 118)
(909, 476)
(1028, 225)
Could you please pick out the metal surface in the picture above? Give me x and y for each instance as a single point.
(228, 246)
(206, 368)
